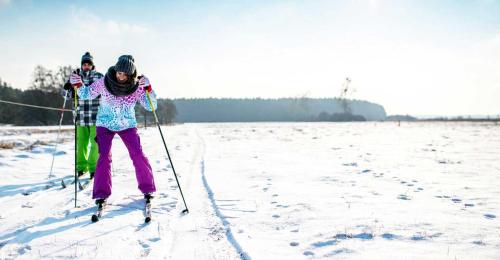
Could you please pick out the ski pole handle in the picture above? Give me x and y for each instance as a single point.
(151, 105)
(76, 97)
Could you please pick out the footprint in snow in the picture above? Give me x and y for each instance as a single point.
(308, 253)
(276, 216)
(418, 237)
(339, 251)
(22, 250)
(27, 205)
(456, 200)
(294, 243)
(403, 197)
(325, 243)
(469, 205)
(389, 236)
(364, 236)
(143, 244)
(145, 252)
(489, 216)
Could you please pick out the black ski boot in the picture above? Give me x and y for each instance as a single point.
(101, 203)
(92, 175)
(148, 197)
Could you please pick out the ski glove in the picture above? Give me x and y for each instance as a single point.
(75, 80)
(67, 86)
(144, 83)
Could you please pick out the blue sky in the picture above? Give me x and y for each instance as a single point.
(416, 57)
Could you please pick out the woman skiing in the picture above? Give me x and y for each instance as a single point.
(119, 92)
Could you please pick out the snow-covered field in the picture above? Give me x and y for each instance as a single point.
(264, 191)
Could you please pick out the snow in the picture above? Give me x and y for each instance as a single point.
(264, 191)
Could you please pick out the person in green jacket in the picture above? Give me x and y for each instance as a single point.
(87, 150)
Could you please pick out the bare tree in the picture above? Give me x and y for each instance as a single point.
(43, 80)
(345, 93)
(62, 75)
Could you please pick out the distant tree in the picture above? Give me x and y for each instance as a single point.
(62, 75)
(43, 80)
(8, 112)
(323, 116)
(166, 111)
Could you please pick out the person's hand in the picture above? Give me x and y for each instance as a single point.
(75, 80)
(67, 86)
(144, 83)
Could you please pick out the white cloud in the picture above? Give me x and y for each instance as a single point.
(95, 26)
(121, 28)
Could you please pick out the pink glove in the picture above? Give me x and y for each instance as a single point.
(75, 80)
(144, 83)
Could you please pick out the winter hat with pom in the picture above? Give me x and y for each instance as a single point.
(126, 64)
(87, 58)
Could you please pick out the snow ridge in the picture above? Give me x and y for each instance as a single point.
(229, 233)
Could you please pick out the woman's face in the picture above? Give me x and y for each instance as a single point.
(122, 77)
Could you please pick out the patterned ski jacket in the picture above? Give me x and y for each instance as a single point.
(87, 109)
(116, 113)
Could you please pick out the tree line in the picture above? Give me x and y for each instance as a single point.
(275, 110)
(46, 90)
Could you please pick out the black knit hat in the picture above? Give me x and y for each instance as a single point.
(87, 58)
(126, 64)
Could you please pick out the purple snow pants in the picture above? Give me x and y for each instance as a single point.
(102, 177)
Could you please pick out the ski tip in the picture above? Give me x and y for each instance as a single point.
(147, 220)
(95, 218)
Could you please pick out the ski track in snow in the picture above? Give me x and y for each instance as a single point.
(229, 233)
(49, 226)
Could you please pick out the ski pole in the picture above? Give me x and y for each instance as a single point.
(76, 114)
(58, 132)
(166, 149)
